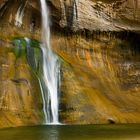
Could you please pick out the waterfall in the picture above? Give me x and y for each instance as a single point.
(51, 70)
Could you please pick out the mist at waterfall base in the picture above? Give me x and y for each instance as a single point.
(51, 71)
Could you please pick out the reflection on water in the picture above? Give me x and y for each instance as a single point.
(53, 134)
(88, 132)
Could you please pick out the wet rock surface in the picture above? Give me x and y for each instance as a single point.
(98, 44)
(20, 101)
(100, 79)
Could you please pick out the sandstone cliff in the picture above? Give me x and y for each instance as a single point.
(93, 15)
(98, 43)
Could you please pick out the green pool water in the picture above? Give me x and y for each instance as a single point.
(63, 132)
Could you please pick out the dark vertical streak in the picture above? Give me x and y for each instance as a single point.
(69, 10)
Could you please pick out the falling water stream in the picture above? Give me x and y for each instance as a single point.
(51, 70)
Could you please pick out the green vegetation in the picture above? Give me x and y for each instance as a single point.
(32, 52)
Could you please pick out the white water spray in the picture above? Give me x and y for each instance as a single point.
(51, 69)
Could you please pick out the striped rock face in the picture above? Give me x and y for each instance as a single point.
(100, 79)
(93, 15)
(98, 44)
